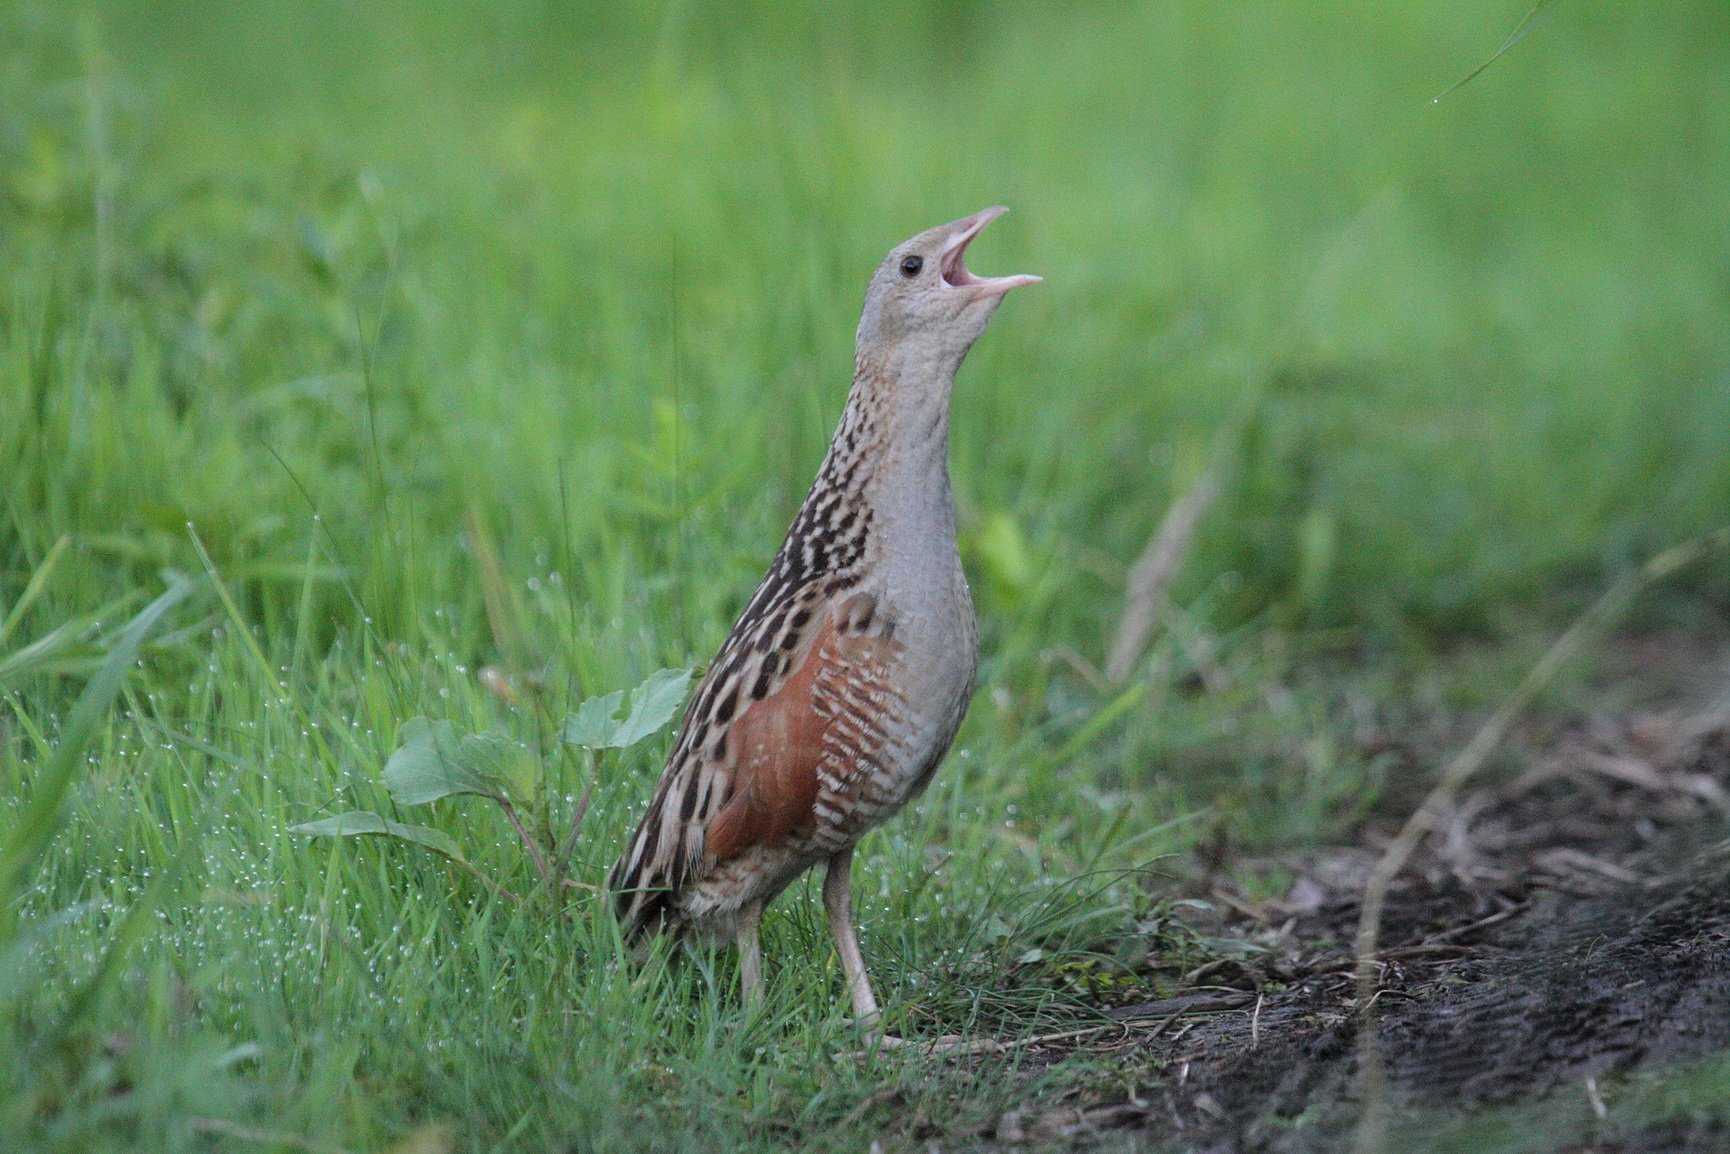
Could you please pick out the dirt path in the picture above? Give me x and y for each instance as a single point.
(1568, 929)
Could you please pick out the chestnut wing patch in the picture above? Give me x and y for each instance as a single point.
(809, 735)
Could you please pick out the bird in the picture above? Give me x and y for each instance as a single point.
(842, 684)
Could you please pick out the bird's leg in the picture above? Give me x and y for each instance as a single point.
(750, 954)
(838, 902)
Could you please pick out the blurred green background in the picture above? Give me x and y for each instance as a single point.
(581, 281)
(1494, 329)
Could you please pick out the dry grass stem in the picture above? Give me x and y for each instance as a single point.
(235, 1130)
(1157, 567)
(539, 858)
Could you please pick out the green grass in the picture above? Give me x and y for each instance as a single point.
(344, 292)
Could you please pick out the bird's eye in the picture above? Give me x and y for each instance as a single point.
(911, 265)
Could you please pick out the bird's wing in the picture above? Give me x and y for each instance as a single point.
(772, 744)
(802, 754)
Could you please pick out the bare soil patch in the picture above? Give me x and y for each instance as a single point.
(1568, 927)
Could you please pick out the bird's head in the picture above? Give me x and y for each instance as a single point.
(924, 308)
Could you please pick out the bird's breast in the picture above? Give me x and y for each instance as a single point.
(929, 613)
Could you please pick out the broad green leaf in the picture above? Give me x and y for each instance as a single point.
(362, 822)
(432, 761)
(653, 704)
(596, 724)
(595, 721)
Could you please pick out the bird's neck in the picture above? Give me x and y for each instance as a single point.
(888, 462)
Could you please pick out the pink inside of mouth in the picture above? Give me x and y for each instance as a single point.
(954, 264)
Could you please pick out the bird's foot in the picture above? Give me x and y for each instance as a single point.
(948, 1045)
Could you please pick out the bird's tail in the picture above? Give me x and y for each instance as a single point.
(640, 890)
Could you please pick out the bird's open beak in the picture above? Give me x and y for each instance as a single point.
(954, 264)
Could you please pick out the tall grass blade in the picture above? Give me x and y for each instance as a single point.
(41, 817)
(38, 582)
(1518, 34)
